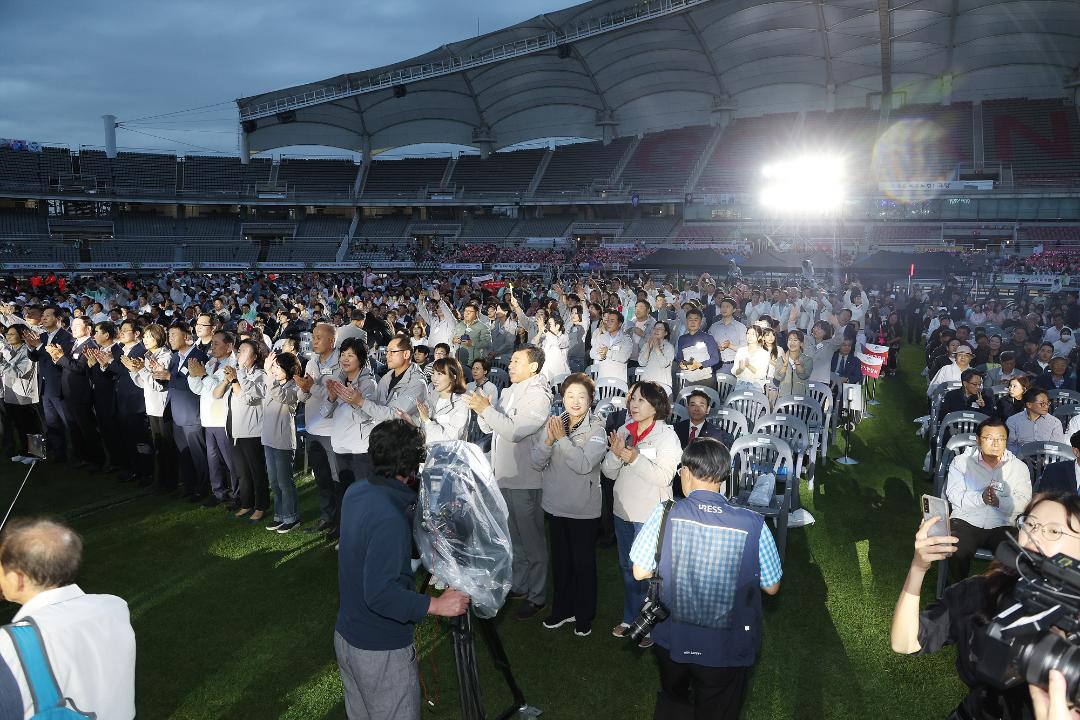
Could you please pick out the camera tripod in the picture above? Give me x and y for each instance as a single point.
(468, 675)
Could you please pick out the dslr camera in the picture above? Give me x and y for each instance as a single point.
(1019, 646)
(651, 614)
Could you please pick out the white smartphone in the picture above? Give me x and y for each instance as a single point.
(932, 506)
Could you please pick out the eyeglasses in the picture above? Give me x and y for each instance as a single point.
(1050, 532)
(993, 440)
(1040, 403)
(391, 352)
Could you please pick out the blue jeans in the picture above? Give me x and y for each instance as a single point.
(279, 468)
(633, 590)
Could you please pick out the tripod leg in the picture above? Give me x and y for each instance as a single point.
(467, 672)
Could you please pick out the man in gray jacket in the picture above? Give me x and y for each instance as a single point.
(399, 389)
(322, 364)
(516, 423)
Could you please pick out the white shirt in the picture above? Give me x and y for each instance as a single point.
(91, 647)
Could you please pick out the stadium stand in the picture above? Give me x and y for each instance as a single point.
(1038, 139)
(502, 172)
(405, 177)
(664, 160)
(661, 227)
(925, 142)
(210, 228)
(391, 226)
(257, 172)
(323, 226)
(543, 227)
(144, 225)
(95, 164)
(149, 173)
(573, 168)
(901, 233)
(211, 174)
(1052, 234)
(318, 176)
(487, 227)
(19, 170)
(22, 222)
(747, 144)
(309, 251)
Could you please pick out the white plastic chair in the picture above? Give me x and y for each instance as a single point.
(754, 455)
(750, 403)
(610, 387)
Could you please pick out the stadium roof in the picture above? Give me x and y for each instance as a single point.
(634, 68)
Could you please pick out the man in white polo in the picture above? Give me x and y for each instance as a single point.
(88, 638)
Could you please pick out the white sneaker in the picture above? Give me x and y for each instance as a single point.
(18, 458)
(29, 460)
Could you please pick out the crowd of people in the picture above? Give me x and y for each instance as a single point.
(215, 381)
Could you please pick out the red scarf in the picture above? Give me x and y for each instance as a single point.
(632, 428)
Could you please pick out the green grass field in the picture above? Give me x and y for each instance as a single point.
(235, 622)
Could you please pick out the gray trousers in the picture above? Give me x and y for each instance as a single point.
(379, 684)
(526, 519)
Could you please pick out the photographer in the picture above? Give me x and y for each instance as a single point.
(379, 609)
(1049, 525)
(709, 642)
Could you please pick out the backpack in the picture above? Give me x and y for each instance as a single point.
(49, 704)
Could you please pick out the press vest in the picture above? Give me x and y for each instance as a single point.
(711, 583)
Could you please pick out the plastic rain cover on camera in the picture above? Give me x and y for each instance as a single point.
(460, 525)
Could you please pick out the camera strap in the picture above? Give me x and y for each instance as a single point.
(660, 535)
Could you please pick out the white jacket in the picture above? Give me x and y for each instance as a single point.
(19, 374)
(155, 393)
(348, 429)
(646, 482)
(315, 423)
(247, 403)
(447, 418)
(213, 412)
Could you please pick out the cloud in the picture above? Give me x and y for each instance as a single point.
(135, 58)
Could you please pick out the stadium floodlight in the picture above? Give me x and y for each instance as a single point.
(805, 185)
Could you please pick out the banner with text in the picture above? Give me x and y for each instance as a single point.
(460, 266)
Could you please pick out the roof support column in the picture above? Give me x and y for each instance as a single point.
(723, 109)
(245, 148)
(365, 149)
(885, 31)
(830, 97)
(946, 88)
(484, 140)
(605, 120)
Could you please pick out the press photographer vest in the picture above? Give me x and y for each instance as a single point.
(715, 614)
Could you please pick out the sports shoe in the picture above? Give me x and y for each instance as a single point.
(583, 629)
(286, 527)
(528, 610)
(619, 630)
(551, 623)
(273, 527)
(646, 642)
(18, 458)
(28, 460)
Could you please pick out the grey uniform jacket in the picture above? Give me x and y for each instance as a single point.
(516, 424)
(571, 470)
(246, 404)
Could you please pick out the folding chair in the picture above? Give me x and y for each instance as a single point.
(1037, 455)
(682, 395)
(725, 384)
(1065, 413)
(796, 434)
(499, 378)
(1060, 397)
(809, 412)
(823, 394)
(605, 407)
(999, 391)
(730, 421)
(750, 403)
(755, 455)
(556, 384)
(961, 422)
(610, 387)
(935, 405)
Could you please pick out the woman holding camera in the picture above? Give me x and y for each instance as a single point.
(642, 459)
(569, 461)
(1049, 525)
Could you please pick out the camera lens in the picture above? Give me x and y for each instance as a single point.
(1053, 652)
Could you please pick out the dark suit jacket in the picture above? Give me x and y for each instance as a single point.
(129, 396)
(75, 379)
(49, 373)
(853, 372)
(1046, 383)
(957, 399)
(183, 403)
(708, 429)
(1059, 476)
(104, 382)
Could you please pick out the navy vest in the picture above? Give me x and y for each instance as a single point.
(711, 582)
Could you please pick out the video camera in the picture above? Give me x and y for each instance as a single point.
(1018, 646)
